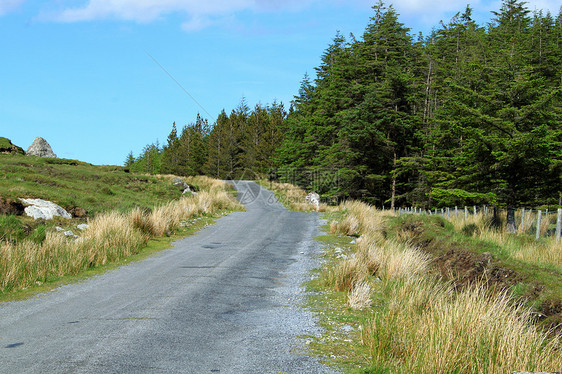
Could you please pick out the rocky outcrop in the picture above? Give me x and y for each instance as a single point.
(184, 187)
(6, 146)
(40, 148)
(37, 208)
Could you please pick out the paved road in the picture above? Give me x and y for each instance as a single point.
(222, 301)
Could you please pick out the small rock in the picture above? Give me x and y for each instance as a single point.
(313, 199)
(82, 227)
(59, 228)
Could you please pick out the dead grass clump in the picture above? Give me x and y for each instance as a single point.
(360, 218)
(360, 296)
(345, 274)
(429, 329)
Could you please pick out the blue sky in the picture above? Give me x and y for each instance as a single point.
(80, 73)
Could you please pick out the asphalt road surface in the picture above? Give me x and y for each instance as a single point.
(223, 301)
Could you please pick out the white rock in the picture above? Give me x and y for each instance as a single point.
(82, 227)
(44, 209)
(313, 199)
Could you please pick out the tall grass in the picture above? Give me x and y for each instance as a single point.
(427, 328)
(421, 324)
(519, 245)
(110, 237)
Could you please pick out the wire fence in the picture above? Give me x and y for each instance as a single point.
(541, 223)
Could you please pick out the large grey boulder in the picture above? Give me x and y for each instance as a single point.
(40, 148)
(38, 208)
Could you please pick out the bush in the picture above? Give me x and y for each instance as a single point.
(470, 229)
(11, 229)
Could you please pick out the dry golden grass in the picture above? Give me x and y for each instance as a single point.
(360, 218)
(546, 251)
(360, 296)
(427, 328)
(421, 324)
(110, 237)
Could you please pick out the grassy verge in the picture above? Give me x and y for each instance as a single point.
(153, 246)
(111, 238)
(490, 257)
(388, 308)
(417, 294)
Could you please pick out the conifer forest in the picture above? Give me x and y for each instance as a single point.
(470, 114)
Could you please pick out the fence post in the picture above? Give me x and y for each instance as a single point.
(456, 211)
(558, 225)
(465, 213)
(538, 235)
(474, 208)
(448, 213)
(522, 226)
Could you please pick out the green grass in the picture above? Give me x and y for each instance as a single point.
(71, 184)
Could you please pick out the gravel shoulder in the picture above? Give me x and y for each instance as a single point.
(227, 300)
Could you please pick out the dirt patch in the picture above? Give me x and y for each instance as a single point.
(11, 206)
(466, 268)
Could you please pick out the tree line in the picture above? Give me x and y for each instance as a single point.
(239, 144)
(467, 115)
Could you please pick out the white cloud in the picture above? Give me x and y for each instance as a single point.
(204, 13)
(7, 6)
(149, 10)
(553, 6)
(198, 13)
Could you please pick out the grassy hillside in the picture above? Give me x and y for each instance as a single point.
(126, 213)
(71, 184)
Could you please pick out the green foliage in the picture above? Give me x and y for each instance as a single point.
(470, 229)
(467, 115)
(39, 234)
